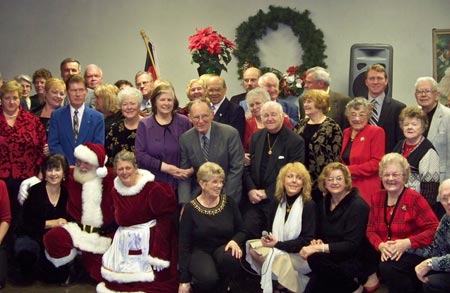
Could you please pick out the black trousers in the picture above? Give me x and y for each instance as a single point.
(211, 272)
(400, 276)
(438, 282)
(332, 275)
(256, 220)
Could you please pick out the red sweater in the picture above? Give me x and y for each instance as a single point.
(5, 212)
(413, 219)
(366, 153)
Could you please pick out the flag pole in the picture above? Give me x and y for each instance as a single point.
(146, 41)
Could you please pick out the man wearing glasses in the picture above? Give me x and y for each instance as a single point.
(386, 109)
(144, 82)
(438, 132)
(75, 123)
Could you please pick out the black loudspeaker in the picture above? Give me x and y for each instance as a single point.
(361, 57)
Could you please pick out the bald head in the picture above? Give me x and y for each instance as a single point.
(250, 78)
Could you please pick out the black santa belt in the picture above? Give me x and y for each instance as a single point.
(92, 229)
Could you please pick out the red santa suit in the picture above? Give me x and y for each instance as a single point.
(91, 216)
(142, 257)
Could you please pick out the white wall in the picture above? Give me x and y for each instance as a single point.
(41, 33)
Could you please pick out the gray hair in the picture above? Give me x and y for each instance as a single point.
(24, 77)
(266, 76)
(426, 79)
(130, 92)
(395, 158)
(257, 92)
(139, 73)
(320, 73)
(269, 104)
(94, 66)
(359, 103)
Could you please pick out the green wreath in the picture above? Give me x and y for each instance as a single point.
(310, 38)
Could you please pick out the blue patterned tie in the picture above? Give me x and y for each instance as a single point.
(374, 118)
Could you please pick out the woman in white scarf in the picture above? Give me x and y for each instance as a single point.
(293, 226)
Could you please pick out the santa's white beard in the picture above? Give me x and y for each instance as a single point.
(83, 177)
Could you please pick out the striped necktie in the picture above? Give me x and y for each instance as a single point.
(205, 147)
(75, 125)
(375, 115)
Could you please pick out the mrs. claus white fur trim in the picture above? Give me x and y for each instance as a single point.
(133, 190)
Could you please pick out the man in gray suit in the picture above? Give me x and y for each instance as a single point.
(427, 96)
(318, 78)
(214, 142)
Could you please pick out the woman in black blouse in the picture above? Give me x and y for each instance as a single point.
(44, 209)
(211, 235)
(293, 226)
(337, 256)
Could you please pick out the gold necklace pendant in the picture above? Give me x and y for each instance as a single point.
(269, 152)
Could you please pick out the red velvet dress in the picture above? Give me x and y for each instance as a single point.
(144, 202)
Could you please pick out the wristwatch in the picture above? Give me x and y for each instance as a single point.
(429, 263)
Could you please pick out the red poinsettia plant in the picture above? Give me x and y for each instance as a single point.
(292, 81)
(210, 50)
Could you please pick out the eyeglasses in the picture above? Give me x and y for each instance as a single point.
(394, 175)
(197, 118)
(426, 92)
(360, 115)
(332, 179)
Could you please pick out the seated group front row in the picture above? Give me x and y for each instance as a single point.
(339, 252)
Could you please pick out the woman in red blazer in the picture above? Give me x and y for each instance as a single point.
(363, 147)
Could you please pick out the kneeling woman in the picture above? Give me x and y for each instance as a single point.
(293, 226)
(211, 232)
(142, 256)
(336, 257)
(45, 208)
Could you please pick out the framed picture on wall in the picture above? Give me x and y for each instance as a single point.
(441, 52)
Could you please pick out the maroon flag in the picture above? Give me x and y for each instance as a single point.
(151, 64)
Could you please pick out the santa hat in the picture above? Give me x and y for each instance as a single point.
(93, 154)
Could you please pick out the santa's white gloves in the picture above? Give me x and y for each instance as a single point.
(24, 187)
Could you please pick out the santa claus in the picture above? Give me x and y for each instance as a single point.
(90, 211)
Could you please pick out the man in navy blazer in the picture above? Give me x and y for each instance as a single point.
(270, 149)
(91, 126)
(225, 111)
(225, 149)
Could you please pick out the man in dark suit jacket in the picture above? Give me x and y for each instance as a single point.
(270, 149)
(386, 109)
(225, 149)
(224, 111)
(91, 126)
(318, 78)
(249, 81)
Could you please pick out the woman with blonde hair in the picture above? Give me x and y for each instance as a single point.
(106, 102)
(292, 222)
(195, 89)
(55, 91)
